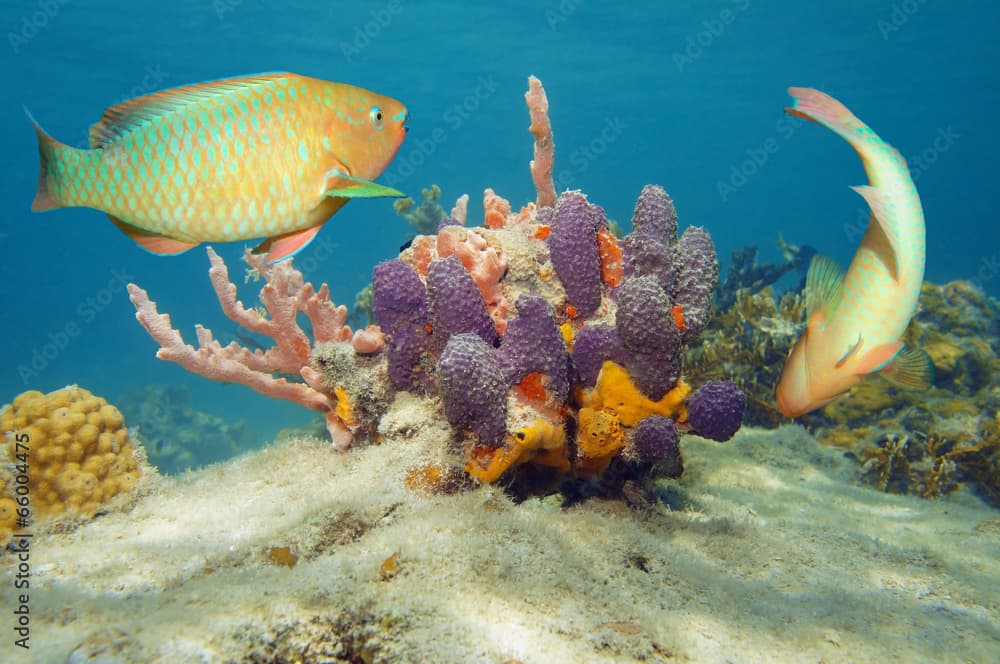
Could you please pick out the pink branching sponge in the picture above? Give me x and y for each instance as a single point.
(285, 294)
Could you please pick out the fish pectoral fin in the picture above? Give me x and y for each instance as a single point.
(823, 286)
(881, 214)
(850, 351)
(879, 357)
(911, 369)
(340, 184)
(151, 242)
(285, 246)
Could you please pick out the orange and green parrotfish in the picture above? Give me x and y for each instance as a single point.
(855, 320)
(271, 155)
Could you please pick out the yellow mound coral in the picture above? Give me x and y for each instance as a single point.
(69, 448)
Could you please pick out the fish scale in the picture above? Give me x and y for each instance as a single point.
(272, 155)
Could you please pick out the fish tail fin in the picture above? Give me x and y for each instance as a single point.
(824, 110)
(48, 148)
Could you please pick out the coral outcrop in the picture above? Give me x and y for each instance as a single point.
(67, 451)
(564, 378)
(548, 341)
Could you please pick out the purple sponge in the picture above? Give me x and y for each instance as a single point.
(399, 304)
(656, 440)
(715, 410)
(698, 276)
(648, 248)
(533, 343)
(654, 215)
(473, 389)
(649, 336)
(456, 303)
(573, 248)
(398, 295)
(592, 346)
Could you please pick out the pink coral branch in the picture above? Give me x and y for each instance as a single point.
(541, 129)
(284, 295)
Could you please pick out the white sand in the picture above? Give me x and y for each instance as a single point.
(772, 553)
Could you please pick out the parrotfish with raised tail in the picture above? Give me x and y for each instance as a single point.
(855, 320)
(271, 155)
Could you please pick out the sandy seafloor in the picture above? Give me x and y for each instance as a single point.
(767, 550)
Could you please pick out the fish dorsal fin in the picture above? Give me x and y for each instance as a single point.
(122, 118)
(881, 208)
(823, 287)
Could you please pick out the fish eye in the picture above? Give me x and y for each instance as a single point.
(375, 115)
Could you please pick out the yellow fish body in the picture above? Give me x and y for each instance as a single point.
(855, 320)
(272, 155)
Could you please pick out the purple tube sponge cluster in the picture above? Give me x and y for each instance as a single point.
(399, 304)
(473, 389)
(573, 249)
(687, 269)
(443, 337)
(533, 343)
(715, 410)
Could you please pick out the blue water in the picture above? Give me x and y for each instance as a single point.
(685, 94)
